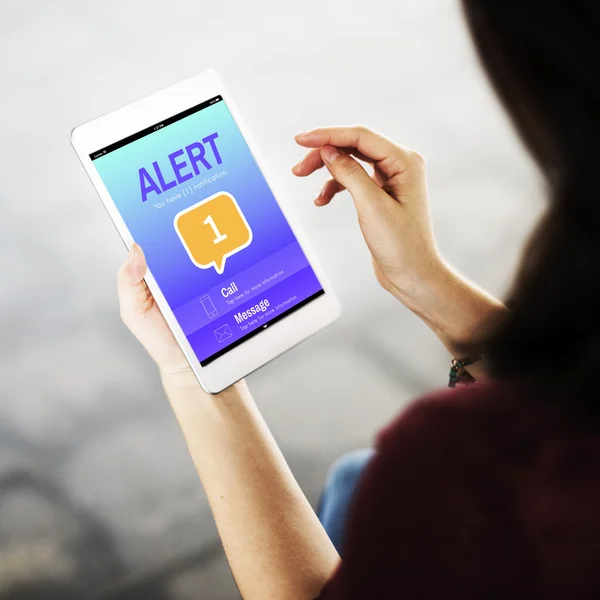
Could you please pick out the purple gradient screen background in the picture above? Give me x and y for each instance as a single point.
(178, 278)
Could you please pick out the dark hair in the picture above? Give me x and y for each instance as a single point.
(542, 59)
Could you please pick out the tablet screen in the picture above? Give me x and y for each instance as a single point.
(216, 241)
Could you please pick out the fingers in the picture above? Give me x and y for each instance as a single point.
(309, 164)
(330, 188)
(133, 293)
(372, 145)
(313, 162)
(349, 174)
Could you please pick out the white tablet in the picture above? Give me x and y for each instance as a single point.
(178, 174)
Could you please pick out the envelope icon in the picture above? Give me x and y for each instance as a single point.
(222, 333)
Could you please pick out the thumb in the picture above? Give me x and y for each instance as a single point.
(133, 293)
(350, 174)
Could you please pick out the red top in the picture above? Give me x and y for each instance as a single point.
(476, 493)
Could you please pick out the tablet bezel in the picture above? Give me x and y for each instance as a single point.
(273, 341)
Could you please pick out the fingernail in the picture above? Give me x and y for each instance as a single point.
(330, 153)
(318, 195)
(298, 163)
(302, 133)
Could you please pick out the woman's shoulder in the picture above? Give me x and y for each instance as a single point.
(432, 498)
(466, 484)
(489, 417)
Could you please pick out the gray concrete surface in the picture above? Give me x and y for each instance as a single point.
(96, 489)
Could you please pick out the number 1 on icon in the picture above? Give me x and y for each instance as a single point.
(219, 237)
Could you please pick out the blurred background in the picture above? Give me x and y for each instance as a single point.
(98, 497)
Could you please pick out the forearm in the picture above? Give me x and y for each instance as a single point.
(275, 545)
(460, 313)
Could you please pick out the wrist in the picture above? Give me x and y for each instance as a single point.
(179, 382)
(175, 378)
(458, 311)
(420, 292)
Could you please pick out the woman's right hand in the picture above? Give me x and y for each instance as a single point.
(393, 213)
(392, 204)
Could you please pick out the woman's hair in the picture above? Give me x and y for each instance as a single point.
(542, 58)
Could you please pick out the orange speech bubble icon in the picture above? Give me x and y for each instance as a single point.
(213, 230)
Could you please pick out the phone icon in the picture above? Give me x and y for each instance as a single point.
(209, 307)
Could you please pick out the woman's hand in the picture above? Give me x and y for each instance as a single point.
(393, 213)
(141, 315)
(392, 204)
